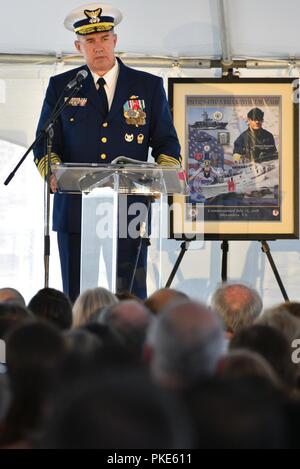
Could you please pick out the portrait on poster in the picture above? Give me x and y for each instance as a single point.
(239, 145)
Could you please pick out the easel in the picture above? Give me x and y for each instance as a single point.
(225, 249)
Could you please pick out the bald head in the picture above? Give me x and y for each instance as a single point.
(12, 296)
(160, 299)
(237, 305)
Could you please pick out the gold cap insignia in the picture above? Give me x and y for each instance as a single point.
(94, 15)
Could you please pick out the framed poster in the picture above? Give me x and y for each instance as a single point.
(239, 145)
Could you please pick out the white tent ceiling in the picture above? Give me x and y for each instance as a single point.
(257, 28)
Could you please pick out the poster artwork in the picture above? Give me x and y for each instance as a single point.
(234, 155)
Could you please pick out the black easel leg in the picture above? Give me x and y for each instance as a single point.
(184, 247)
(225, 249)
(266, 249)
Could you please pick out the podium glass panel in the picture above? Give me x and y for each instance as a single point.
(99, 231)
(101, 187)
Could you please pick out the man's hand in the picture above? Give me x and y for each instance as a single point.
(53, 183)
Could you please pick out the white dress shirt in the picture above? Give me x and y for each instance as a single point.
(110, 78)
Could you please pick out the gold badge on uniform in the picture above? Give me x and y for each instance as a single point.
(129, 137)
(134, 111)
(140, 139)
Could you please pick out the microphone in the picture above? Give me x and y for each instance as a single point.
(76, 81)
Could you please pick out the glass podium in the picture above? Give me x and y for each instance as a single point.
(104, 189)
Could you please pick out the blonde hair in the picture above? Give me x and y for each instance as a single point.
(89, 302)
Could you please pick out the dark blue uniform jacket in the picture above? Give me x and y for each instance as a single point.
(82, 135)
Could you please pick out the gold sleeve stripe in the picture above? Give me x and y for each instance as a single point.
(42, 165)
(168, 160)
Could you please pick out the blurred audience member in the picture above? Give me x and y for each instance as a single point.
(12, 314)
(237, 306)
(241, 363)
(123, 409)
(11, 295)
(185, 342)
(160, 299)
(52, 305)
(280, 318)
(129, 321)
(239, 414)
(271, 344)
(34, 352)
(89, 302)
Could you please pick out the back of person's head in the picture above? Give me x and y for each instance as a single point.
(243, 413)
(129, 321)
(280, 318)
(271, 344)
(121, 410)
(12, 314)
(33, 349)
(161, 298)
(34, 352)
(89, 302)
(82, 340)
(187, 342)
(52, 305)
(237, 306)
(11, 295)
(241, 363)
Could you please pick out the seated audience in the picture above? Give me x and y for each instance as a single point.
(34, 351)
(245, 413)
(271, 344)
(122, 409)
(241, 363)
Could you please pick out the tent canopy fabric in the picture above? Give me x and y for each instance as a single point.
(171, 28)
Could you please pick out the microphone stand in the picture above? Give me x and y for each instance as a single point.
(48, 132)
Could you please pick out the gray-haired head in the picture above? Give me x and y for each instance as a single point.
(280, 318)
(237, 306)
(129, 321)
(187, 342)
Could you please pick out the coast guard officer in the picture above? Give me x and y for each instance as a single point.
(118, 111)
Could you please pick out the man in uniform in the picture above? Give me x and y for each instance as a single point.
(255, 144)
(118, 111)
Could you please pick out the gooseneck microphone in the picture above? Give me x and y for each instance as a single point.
(76, 81)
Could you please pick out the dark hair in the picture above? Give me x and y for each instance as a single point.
(34, 351)
(52, 305)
